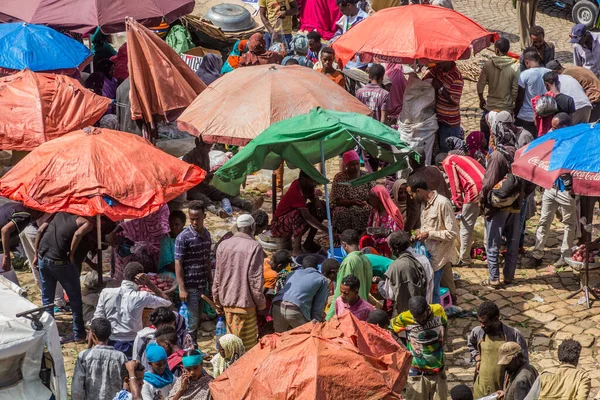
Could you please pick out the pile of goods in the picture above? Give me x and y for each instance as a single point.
(162, 282)
(579, 254)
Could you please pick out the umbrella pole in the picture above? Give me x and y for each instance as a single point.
(274, 189)
(99, 254)
(329, 227)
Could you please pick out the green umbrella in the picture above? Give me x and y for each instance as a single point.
(306, 139)
(314, 137)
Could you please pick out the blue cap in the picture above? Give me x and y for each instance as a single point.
(577, 33)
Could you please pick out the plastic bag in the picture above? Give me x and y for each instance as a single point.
(419, 248)
(545, 106)
(418, 103)
(278, 42)
(420, 134)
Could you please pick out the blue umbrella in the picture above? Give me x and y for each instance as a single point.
(39, 48)
(573, 150)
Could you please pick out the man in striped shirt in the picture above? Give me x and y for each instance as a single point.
(448, 83)
(465, 176)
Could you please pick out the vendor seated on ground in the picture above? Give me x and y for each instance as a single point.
(350, 209)
(198, 156)
(384, 215)
(300, 211)
(193, 384)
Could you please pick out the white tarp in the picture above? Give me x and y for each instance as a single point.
(17, 337)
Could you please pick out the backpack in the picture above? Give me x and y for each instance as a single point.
(508, 190)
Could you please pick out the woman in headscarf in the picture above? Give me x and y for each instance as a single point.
(144, 232)
(159, 380)
(477, 144)
(210, 68)
(396, 74)
(231, 348)
(400, 195)
(101, 47)
(120, 60)
(193, 384)
(300, 49)
(257, 53)
(349, 203)
(384, 215)
(233, 59)
(457, 146)
(107, 68)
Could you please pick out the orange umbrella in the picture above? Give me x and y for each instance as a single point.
(239, 106)
(415, 32)
(99, 171)
(341, 359)
(37, 107)
(161, 82)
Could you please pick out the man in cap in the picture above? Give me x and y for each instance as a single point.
(238, 282)
(520, 375)
(586, 48)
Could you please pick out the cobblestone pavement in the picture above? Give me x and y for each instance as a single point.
(545, 322)
(499, 16)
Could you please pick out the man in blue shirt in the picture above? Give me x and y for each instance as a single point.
(301, 300)
(192, 264)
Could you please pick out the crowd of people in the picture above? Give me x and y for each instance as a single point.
(399, 238)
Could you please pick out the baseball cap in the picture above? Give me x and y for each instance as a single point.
(577, 33)
(507, 352)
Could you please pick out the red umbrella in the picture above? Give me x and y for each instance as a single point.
(161, 82)
(343, 358)
(85, 15)
(99, 172)
(415, 32)
(37, 107)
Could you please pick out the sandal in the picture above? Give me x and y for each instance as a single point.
(488, 282)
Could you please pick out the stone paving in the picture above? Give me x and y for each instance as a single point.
(499, 16)
(536, 303)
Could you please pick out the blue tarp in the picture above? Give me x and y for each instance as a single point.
(39, 48)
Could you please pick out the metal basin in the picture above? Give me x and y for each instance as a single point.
(230, 17)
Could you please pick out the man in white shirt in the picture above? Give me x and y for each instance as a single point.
(124, 306)
(583, 106)
(531, 84)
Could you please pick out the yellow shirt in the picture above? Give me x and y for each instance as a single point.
(283, 25)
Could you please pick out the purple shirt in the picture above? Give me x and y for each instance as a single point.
(375, 97)
(360, 309)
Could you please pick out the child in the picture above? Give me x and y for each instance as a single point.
(381, 319)
(231, 348)
(98, 370)
(310, 262)
(461, 392)
(166, 259)
(166, 337)
(329, 269)
(349, 300)
(159, 380)
(132, 376)
(193, 384)
(277, 271)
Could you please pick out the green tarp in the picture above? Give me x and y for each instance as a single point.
(297, 141)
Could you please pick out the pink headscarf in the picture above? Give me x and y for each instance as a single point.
(350, 156)
(399, 82)
(390, 207)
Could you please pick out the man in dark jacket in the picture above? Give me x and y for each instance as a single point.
(520, 375)
(405, 276)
